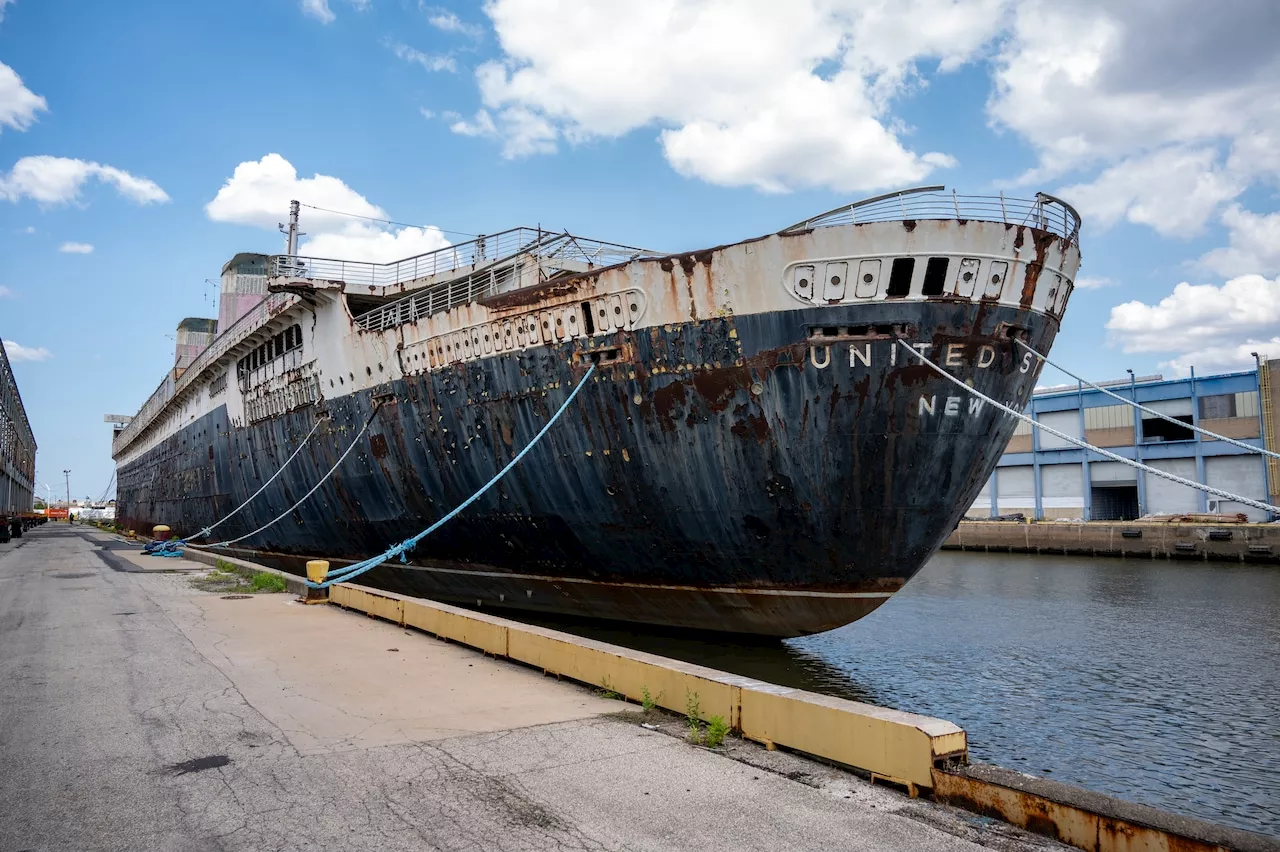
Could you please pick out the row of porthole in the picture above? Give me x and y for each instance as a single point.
(534, 329)
(803, 281)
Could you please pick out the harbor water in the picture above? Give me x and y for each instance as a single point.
(1152, 681)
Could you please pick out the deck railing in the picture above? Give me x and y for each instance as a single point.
(481, 251)
(223, 343)
(933, 202)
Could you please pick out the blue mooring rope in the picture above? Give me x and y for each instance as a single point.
(341, 575)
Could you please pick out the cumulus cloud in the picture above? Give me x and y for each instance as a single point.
(59, 180)
(17, 352)
(1173, 190)
(428, 61)
(1135, 86)
(258, 194)
(18, 104)
(3, 3)
(1254, 244)
(76, 248)
(372, 244)
(5, 292)
(775, 96)
(1204, 325)
(259, 191)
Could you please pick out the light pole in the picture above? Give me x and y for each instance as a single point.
(67, 473)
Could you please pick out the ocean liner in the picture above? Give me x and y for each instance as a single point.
(755, 451)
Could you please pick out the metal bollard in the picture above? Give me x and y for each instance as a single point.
(317, 570)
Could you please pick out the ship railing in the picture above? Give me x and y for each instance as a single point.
(1044, 212)
(223, 343)
(549, 254)
(481, 251)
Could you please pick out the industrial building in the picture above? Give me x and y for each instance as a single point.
(1045, 477)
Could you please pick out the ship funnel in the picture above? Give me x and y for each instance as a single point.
(244, 285)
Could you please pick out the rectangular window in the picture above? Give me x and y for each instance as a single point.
(935, 276)
(1218, 406)
(1158, 430)
(900, 277)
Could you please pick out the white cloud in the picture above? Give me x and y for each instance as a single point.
(4, 3)
(18, 352)
(1173, 190)
(443, 19)
(1219, 359)
(18, 104)
(30, 229)
(426, 60)
(426, 113)
(258, 194)
(75, 248)
(5, 292)
(1255, 244)
(1089, 282)
(772, 95)
(58, 180)
(318, 9)
(372, 244)
(1137, 86)
(1203, 325)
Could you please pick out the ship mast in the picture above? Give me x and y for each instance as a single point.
(291, 231)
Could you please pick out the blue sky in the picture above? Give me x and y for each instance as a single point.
(673, 125)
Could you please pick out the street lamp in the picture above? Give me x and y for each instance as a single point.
(67, 473)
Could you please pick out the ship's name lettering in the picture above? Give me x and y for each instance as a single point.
(949, 355)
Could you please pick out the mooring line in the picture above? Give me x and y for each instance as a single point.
(1084, 445)
(314, 488)
(1264, 451)
(204, 532)
(341, 575)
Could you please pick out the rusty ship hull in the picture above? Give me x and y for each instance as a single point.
(778, 472)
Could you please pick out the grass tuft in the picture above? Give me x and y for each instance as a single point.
(264, 582)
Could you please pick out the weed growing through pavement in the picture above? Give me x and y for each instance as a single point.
(717, 728)
(693, 716)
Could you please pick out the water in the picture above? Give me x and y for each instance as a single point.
(1152, 681)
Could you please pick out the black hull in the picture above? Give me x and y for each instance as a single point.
(725, 474)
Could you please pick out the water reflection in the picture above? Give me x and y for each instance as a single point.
(1153, 681)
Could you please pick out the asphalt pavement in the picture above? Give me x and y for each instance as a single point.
(140, 713)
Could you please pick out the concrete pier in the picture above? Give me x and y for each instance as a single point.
(142, 713)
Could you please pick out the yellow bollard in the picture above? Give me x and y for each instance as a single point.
(160, 532)
(317, 570)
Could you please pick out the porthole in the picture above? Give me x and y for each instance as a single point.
(968, 276)
(868, 278)
(835, 279)
(995, 279)
(617, 309)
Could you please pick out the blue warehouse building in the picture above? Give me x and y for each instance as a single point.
(1046, 478)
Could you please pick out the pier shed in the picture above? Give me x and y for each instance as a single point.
(1046, 478)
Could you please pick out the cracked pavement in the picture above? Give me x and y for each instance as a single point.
(140, 713)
